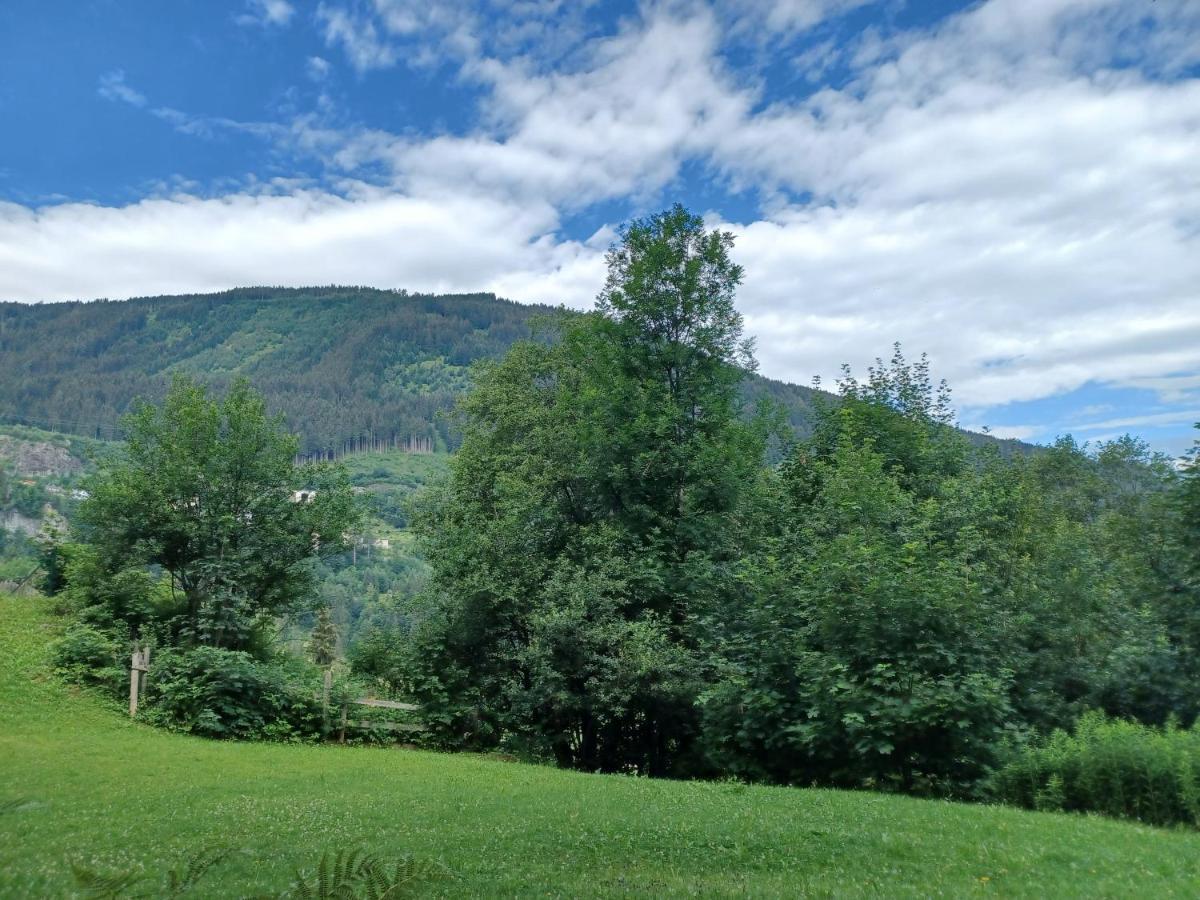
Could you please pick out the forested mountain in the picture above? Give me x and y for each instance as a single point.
(340, 363)
(345, 365)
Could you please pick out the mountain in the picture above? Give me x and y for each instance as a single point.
(348, 367)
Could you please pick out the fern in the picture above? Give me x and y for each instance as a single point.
(198, 864)
(120, 884)
(103, 886)
(341, 875)
(355, 875)
(405, 876)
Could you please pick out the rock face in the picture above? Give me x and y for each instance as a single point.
(11, 520)
(37, 457)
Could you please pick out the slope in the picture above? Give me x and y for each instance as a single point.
(81, 784)
(349, 367)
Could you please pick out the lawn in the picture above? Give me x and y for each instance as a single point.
(81, 784)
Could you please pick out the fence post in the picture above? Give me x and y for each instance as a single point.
(328, 689)
(138, 666)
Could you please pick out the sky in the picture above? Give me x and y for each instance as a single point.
(1011, 186)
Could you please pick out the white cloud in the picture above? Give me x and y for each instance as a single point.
(358, 36)
(1015, 190)
(405, 17)
(298, 238)
(647, 98)
(317, 68)
(1170, 388)
(384, 33)
(1095, 409)
(266, 12)
(211, 126)
(990, 193)
(113, 87)
(773, 19)
(1174, 417)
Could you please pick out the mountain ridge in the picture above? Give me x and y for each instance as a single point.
(348, 367)
(343, 364)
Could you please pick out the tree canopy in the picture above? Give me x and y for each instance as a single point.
(623, 580)
(631, 569)
(585, 530)
(208, 490)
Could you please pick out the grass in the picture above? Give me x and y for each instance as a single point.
(79, 783)
(395, 467)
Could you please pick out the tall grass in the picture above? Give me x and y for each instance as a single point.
(1109, 766)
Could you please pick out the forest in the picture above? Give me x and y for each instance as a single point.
(634, 568)
(350, 367)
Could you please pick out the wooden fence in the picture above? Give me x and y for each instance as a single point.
(140, 664)
(401, 727)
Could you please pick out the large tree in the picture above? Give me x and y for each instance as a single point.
(208, 491)
(914, 601)
(583, 537)
(1184, 595)
(863, 648)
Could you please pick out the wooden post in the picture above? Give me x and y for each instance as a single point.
(342, 733)
(325, 702)
(138, 666)
(134, 677)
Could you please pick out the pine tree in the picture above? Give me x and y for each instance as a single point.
(322, 643)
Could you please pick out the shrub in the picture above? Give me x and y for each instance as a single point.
(229, 694)
(128, 600)
(1109, 766)
(381, 655)
(86, 655)
(888, 729)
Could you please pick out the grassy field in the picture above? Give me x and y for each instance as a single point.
(81, 784)
(396, 467)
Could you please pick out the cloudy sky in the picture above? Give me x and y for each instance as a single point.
(1012, 186)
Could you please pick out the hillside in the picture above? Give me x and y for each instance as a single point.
(347, 366)
(43, 477)
(121, 797)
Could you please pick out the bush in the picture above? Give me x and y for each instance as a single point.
(381, 655)
(887, 729)
(86, 655)
(1109, 766)
(229, 694)
(127, 600)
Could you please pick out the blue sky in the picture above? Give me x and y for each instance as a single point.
(1009, 185)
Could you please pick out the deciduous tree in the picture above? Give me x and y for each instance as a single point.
(207, 490)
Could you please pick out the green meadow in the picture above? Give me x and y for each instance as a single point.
(81, 785)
